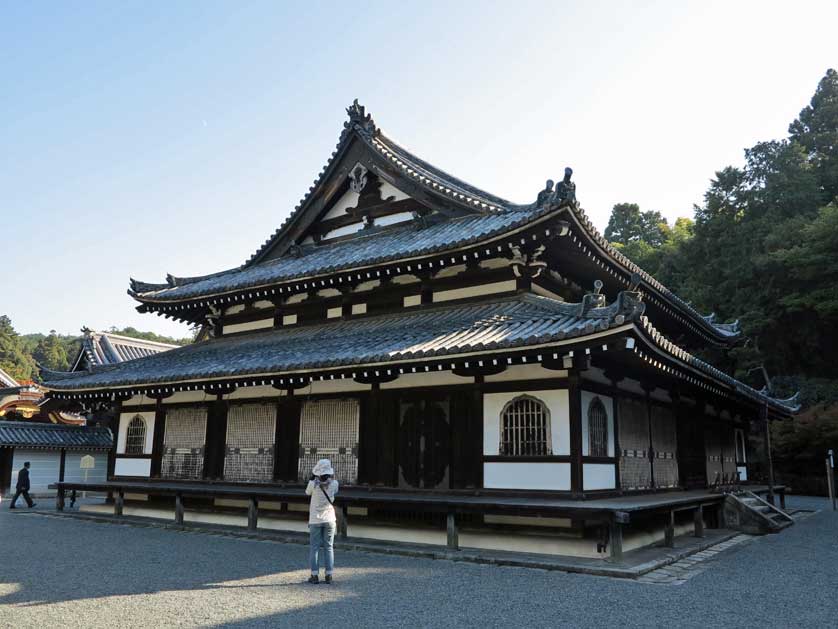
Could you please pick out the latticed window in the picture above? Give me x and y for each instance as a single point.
(135, 436)
(597, 428)
(525, 428)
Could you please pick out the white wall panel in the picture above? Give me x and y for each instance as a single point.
(598, 476)
(551, 476)
(44, 469)
(132, 467)
(124, 420)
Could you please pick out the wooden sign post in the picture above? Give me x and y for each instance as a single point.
(87, 463)
(830, 477)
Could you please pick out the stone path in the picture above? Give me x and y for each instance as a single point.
(677, 573)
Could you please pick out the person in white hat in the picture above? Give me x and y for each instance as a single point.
(322, 521)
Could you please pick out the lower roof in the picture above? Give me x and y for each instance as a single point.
(53, 436)
(516, 324)
(503, 323)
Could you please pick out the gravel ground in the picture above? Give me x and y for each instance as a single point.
(71, 573)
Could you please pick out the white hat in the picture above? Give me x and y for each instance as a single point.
(323, 466)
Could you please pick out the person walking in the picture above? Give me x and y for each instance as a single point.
(322, 520)
(22, 487)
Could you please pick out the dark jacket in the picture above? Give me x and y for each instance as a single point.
(23, 479)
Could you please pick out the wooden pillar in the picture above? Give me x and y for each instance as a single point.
(453, 533)
(698, 521)
(115, 430)
(343, 522)
(62, 464)
(669, 531)
(119, 502)
(252, 514)
(157, 442)
(216, 437)
(616, 539)
(651, 450)
(178, 508)
(476, 432)
(59, 499)
(575, 401)
(768, 457)
(371, 443)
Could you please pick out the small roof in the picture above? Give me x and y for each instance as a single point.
(6, 381)
(106, 348)
(51, 436)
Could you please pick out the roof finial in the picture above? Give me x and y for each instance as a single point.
(359, 118)
(564, 192)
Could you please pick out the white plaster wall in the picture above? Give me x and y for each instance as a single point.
(334, 386)
(185, 396)
(334, 313)
(429, 379)
(359, 309)
(124, 420)
(344, 231)
(525, 373)
(258, 391)
(598, 476)
(261, 324)
(137, 400)
(557, 403)
(45, 465)
(540, 290)
(392, 219)
(132, 467)
(474, 291)
(348, 200)
(389, 190)
(289, 319)
(412, 300)
(263, 303)
(587, 397)
(551, 476)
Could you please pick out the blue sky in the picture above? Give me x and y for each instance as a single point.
(143, 138)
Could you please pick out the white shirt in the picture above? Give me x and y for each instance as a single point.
(320, 511)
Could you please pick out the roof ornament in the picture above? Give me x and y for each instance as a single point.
(564, 191)
(360, 119)
(358, 177)
(634, 283)
(593, 300)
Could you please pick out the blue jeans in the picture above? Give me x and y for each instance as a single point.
(322, 534)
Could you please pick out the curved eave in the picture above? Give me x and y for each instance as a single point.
(321, 277)
(724, 334)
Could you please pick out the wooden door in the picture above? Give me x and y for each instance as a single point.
(424, 443)
(692, 463)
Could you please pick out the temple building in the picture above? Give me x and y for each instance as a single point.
(431, 339)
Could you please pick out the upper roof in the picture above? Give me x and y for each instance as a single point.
(467, 216)
(106, 348)
(39, 435)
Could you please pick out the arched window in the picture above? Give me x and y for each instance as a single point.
(525, 428)
(135, 436)
(597, 428)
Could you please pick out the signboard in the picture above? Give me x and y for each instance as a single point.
(87, 462)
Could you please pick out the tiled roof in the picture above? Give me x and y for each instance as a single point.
(494, 216)
(104, 348)
(504, 323)
(6, 381)
(37, 435)
(391, 244)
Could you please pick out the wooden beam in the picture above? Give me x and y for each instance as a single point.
(252, 514)
(178, 508)
(616, 539)
(453, 533)
(698, 521)
(669, 531)
(343, 522)
(119, 503)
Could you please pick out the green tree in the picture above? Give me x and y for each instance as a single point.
(51, 353)
(14, 359)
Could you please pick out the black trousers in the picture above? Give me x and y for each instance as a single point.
(25, 494)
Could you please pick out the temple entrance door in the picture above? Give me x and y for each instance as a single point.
(692, 463)
(423, 444)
